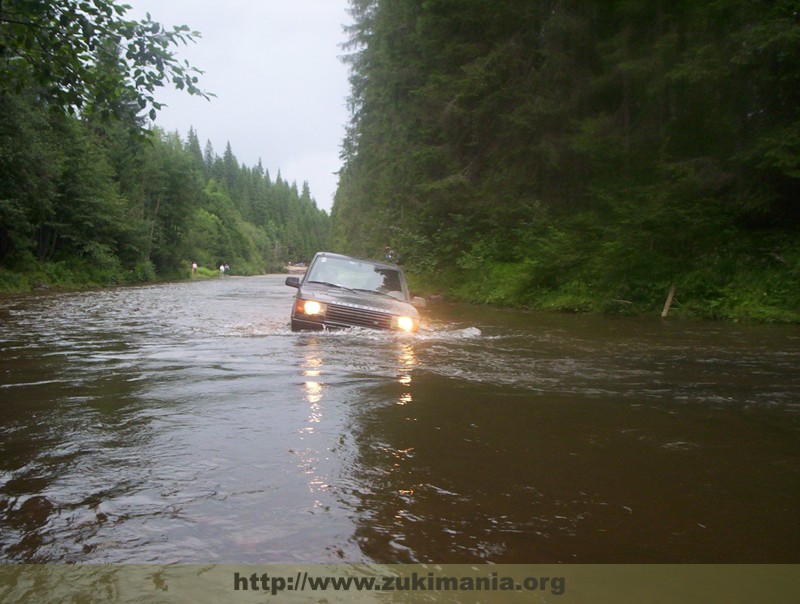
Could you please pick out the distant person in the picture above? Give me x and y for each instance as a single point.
(194, 268)
(221, 270)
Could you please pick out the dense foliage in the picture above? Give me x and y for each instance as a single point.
(86, 198)
(86, 56)
(580, 154)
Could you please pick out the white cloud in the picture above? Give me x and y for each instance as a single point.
(280, 86)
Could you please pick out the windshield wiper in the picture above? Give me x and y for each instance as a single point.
(333, 285)
(380, 293)
(372, 291)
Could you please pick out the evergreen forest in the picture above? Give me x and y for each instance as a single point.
(91, 193)
(578, 155)
(581, 155)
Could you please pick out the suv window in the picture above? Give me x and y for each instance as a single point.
(355, 274)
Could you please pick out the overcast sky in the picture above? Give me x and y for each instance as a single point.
(280, 84)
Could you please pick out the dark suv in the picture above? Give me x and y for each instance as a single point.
(339, 292)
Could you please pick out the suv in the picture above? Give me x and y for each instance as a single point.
(339, 292)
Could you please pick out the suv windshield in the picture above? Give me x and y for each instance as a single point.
(358, 275)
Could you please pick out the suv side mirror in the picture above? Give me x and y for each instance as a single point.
(418, 302)
(293, 281)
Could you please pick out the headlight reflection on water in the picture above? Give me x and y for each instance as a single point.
(312, 369)
(407, 361)
(313, 387)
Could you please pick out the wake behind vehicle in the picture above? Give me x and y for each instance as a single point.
(340, 291)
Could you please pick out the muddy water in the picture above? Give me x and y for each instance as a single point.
(187, 423)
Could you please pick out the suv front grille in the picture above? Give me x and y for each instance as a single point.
(360, 317)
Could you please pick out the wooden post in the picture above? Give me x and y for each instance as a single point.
(668, 303)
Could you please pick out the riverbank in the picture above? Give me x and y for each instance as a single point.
(75, 276)
(765, 296)
(757, 297)
(69, 276)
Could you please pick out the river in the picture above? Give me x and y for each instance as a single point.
(186, 423)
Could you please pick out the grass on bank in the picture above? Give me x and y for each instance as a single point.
(764, 288)
(744, 294)
(83, 273)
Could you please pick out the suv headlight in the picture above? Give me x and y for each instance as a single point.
(405, 324)
(311, 308)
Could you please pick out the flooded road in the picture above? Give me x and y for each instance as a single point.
(187, 423)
